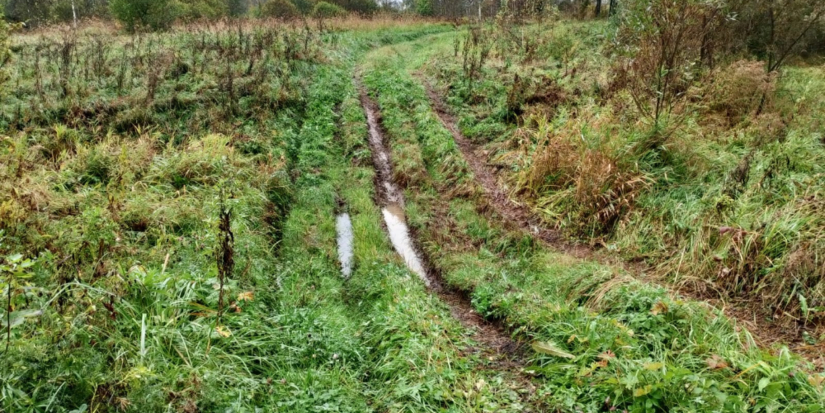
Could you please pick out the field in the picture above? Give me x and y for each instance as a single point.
(403, 215)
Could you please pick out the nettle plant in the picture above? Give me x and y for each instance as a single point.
(16, 273)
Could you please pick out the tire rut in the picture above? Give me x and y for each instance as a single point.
(496, 345)
(512, 212)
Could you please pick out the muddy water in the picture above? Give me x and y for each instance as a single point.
(389, 193)
(391, 199)
(343, 226)
(494, 342)
(400, 237)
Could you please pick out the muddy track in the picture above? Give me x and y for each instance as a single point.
(513, 212)
(765, 333)
(496, 345)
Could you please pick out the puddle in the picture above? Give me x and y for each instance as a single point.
(390, 194)
(390, 197)
(343, 226)
(400, 238)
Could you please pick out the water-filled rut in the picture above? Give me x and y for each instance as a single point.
(343, 226)
(493, 338)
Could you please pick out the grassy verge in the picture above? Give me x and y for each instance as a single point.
(726, 205)
(604, 340)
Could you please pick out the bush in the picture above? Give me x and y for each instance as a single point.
(663, 42)
(139, 14)
(199, 9)
(281, 9)
(357, 6)
(324, 10)
(304, 6)
(424, 7)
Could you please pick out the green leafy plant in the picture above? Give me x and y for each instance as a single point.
(16, 272)
(324, 10)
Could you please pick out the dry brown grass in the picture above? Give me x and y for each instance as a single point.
(100, 27)
(740, 90)
(589, 180)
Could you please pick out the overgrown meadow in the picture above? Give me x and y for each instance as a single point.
(716, 184)
(167, 238)
(168, 209)
(603, 338)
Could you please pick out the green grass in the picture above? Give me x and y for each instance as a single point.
(683, 192)
(109, 224)
(122, 229)
(632, 345)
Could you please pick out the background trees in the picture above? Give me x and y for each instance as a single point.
(282, 9)
(153, 14)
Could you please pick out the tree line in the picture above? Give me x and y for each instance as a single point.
(156, 14)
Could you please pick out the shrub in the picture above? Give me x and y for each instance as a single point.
(198, 9)
(138, 14)
(663, 42)
(324, 10)
(424, 7)
(281, 9)
(304, 6)
(357, 6)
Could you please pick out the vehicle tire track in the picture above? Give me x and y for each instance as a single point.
(513, 212)
(496, 345)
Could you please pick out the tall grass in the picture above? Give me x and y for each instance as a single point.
(725, 205)
(118, 156)
(603, 340)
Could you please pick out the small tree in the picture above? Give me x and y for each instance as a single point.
(141, 14)
(424, 7)
(281, 9)
(324, 10)
(663, 42)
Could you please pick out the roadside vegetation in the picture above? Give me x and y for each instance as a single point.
(694, 147)
(192, 210)
(602, 339)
